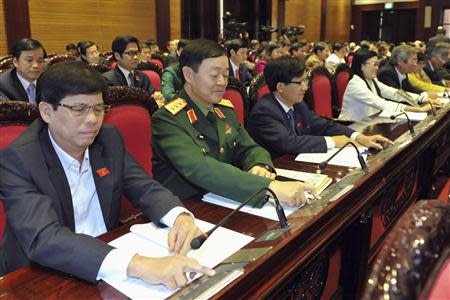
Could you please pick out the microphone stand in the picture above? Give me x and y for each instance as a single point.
(199, 240)
(363, 164)
(411, 128)
(424, 101)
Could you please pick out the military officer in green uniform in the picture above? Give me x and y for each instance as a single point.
(198, 143)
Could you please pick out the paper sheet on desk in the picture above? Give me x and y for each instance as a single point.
(319, 181)
(444, 100)
(413, 116)
(149, 240)
(267, 211)
(347, 157)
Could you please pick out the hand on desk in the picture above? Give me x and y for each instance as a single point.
(182, 233)
(169, 270)
(260, 171)
(377, 141)
(292, 193)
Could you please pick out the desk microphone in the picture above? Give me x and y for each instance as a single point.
(411, 128)
(198, 241)
(425, 101)
(324, 164)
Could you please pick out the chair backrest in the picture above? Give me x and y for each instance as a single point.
(153, 72)
(130, 112)
(320, 87)
(341, 79)
(257, 89)
(157, 62)
(15, 116)
(6, 62)
(417, 245)
(158, 59)
(154, 78)
(60, 58)
(235, 92)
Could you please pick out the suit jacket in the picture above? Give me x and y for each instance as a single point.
(270, 127)
(434, 76)
(11, 88)
(38, 203)
(191, 155)
(244, 74)
(115, 77)
(388, 75)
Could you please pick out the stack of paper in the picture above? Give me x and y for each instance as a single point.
(347, 157)
(267, 211)
(413, 116)
(149, 240)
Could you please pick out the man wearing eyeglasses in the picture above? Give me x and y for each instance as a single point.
(61, 183)
(282, 123)
(126, 52)
(436, 58)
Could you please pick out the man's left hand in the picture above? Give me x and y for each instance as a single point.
(182, 233)
(260, 171)
(373, 141)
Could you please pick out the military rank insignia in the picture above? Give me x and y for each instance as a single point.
(228, 129)
(176, 106)
(192, 116)
(219, 113)
(226, 103)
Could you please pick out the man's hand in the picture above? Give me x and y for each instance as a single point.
(340, 140)
(292, 193)
(373, 141)
(435, 102)
(159, 98)
(432, 94)
(169, 270)
(260, 171)
(182, 233)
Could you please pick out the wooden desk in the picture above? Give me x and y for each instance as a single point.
(331, 243)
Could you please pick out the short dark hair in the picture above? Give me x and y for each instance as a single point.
(68, 79)
(26, 44)
(282, 69)
(337, 46)
(82, 46)
(198, 50)
(182, 44)
(360, 58)
(120, 43)
(272, 46)
(319, 47)
(235, 45)
(71, 46)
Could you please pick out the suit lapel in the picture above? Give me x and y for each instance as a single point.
(286, 121)
(19, 87)
(58, 178)
(103, 177)
(120, 76)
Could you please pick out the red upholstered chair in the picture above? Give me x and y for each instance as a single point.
(113, 64)
(235, 92)
(257, 89)
(413, 255)
(319, 95)
(157, 62)
(130, 112)
(15, 116)
(341, 79)
(153, 72)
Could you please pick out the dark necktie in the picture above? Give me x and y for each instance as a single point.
(131, 78)
(290, 115)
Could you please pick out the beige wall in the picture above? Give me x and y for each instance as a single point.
(338, 16)
(3, 41)
(305, 12)
(56, 23)
(175, 19)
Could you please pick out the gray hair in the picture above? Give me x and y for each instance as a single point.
(403, 53)
(439, 50)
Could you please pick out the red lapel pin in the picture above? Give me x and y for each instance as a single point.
(102, 172)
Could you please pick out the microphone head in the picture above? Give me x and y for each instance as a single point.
(323, 165)
(198, 241)
(392, 117)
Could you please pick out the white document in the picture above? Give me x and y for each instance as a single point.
(319, 181)
(347, 157)
(444, 101)
(413, 116)
(149, 240)
(267, 211)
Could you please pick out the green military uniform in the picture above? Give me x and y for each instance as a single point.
(193, 154)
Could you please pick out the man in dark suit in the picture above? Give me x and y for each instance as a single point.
(19, 83)
(126, 52)
(282, 123)
(403, 60)
(436, 57)
(61, 183)
(237, 56)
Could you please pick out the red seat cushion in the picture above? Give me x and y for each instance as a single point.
(321, 90)
(157, 62)
(236, 98)
(154, 79)
(441, 286)
(342, 79)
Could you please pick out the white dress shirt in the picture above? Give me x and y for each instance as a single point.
(125, 73)
(88, 215)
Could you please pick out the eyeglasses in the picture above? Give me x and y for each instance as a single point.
(373, 63)
(79, 110)
(132, 53)
(303, 83)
